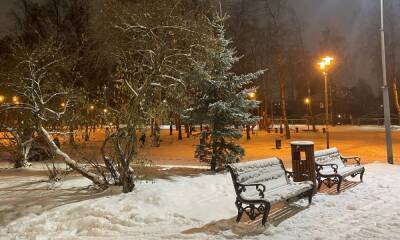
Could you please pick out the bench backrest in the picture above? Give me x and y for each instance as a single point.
(328, 156)
(269, 172)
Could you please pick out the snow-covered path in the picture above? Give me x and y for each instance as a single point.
(167, 208)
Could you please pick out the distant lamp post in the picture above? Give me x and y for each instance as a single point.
(62, 104)
(2, 99)
(92, 107)
(252, 95)
(105, 110)
(323, 65)
(385, 90)
(307, 102)
(15, 100)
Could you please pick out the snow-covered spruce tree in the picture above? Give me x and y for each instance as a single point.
(220, 98)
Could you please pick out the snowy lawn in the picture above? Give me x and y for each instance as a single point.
(203, 208)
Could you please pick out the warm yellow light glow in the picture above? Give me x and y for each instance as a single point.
(2, 98)
(62, 104)
(322, 65)
(91, 107)
(252, 95)
(105, 110)
(327, 60)
(307, 101)
(15, 99)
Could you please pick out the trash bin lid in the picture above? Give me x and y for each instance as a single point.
(302, 143)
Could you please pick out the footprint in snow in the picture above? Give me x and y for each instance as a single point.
(351, 207)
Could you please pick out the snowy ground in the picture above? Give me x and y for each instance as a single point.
(202, 207)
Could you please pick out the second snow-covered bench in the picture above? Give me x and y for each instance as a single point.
(331, 168)
(259, 184)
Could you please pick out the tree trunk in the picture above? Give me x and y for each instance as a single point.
(178, 125)
(126, 171)
(152, 127)
(213, 163)
(98, 180)
(312, 116)
(283, 103)
(23, 147)
(71, 134)
(331, 105)
(87, 132)
(396, 100)
(187, 130)
(170, 128)
(247, 132)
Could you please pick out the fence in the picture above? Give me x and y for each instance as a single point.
(375, 121)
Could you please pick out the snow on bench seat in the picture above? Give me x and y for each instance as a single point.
(259, 184)
(332, 167)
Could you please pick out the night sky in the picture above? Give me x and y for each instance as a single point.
(345, 16)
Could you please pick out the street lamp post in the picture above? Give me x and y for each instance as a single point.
(385, 91)
(326, 61)
(326, 109)
(307, 101)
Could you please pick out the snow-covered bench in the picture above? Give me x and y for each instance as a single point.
(331, 167)
(259, 184)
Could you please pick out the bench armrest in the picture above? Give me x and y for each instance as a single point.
(289, 174)
(259, 187)
(305, 175)
(355, 158)
(332, 165)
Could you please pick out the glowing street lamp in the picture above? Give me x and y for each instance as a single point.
(62, 104)
(323, 65)
(307, 101)
(91, 107)
(327, 60)
(2, 98)
(15, 100)
(105, 110)
(252, 95)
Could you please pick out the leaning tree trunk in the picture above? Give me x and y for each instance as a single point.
(396, 100)
(283, 102)
(96, 179)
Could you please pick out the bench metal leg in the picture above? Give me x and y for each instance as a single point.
(310, 195)
(362, 174)
(239, 216)
(266, 213)
(240, 210)
(319, 181)
(340, 179)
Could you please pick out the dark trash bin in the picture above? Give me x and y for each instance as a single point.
(278, 143)
(303, 161)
